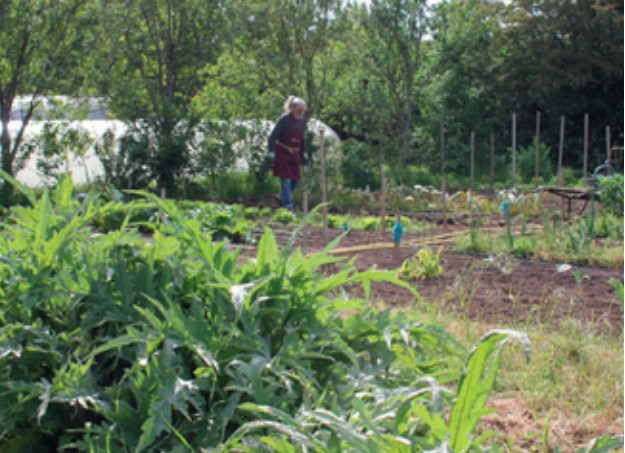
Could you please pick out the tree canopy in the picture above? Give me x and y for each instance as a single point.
(389, 73)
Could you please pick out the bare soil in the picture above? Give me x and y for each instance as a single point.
(501, 290)
(515, 418)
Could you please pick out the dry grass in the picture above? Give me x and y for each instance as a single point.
(569, 393)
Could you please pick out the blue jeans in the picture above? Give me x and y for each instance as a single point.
(287, 186)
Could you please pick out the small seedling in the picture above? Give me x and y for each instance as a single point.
(425, 264)
(579, 277)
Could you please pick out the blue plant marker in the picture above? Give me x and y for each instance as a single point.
(345, 227)
(398, 232)
(505, 208)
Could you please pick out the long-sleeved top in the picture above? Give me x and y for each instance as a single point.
(281, 130)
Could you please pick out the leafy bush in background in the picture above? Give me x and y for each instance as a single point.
(612, 194)
(526, 163)
(358, 166)
(284, 216)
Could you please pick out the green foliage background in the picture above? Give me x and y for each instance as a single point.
(385, 73)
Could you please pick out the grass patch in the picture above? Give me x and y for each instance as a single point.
(568, 393)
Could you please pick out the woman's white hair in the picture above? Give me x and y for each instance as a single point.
(292, 102)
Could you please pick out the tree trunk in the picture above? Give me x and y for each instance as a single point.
(310, 89)
(6, 191)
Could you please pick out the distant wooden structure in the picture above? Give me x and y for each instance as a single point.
(569, 194)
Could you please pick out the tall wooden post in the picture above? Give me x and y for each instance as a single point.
(514, 149)
(537, 158)
(305, 205)
(608, 145)
(305, 212)
(443, 178)
(163, 197)
(586, 128)
(324, 188)
(382, 198)
(472, 163)
(492, 159)
(561, 181)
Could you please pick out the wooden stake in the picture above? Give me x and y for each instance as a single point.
(444, 178)
(305, 203)
(561, 181)
(382, 198)
(163, 197)
(492, 159)
(586, 127)
(472, 159)
(537, 159)
(608, 146)
(305, 212)
(514, 149)
(324, 188)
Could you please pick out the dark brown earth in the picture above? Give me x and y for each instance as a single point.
(492, 290)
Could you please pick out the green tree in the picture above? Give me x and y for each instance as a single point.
(376, 77)
(40, 49)
(394, 32)
(459, 93)
(274, 49)
(153, 59)
(563, 57)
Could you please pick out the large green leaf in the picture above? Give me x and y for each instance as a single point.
(476, 383)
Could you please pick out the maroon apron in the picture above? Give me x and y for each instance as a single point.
(287, 161)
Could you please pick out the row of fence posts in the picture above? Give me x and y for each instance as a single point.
(383, 185)
(560, 172)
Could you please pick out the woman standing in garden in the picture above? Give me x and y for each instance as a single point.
(287, 145)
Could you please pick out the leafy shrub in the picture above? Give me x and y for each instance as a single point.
(425, 264)
(252, 213)
(612, 194)
(231, 187)
(335, 221)
(358, 166)
(284, 216)
(343, 197)
(526, 163)
(222, 221)
(609, 225)
(370, 224)
(523, 247)
(216, 152)
(410, 175)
